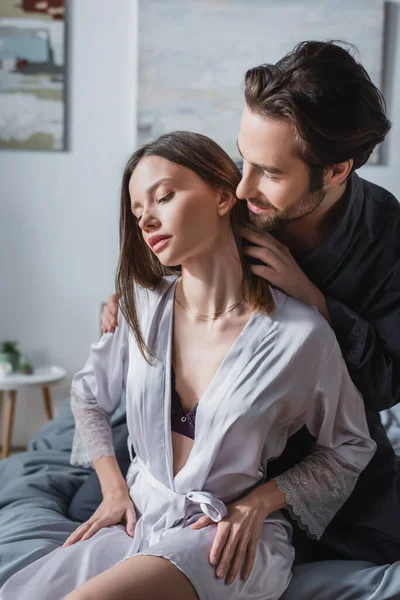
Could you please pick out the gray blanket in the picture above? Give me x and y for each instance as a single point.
(36, 488)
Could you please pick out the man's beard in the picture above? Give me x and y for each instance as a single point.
(274, 218)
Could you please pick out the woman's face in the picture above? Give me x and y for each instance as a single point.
(178, 213)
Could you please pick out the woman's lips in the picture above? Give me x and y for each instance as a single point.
(254, 209)
(159, 245)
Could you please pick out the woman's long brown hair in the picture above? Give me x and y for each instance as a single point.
(137, 263)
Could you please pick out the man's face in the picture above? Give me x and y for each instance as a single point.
(276, 181)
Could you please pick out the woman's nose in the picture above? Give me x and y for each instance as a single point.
(149, 222)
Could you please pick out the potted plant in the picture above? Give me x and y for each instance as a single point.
(9, 353)
(25, 366)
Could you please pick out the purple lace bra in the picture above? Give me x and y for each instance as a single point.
(181, 422)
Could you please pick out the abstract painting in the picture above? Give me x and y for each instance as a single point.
(193, 55)
(32, 75)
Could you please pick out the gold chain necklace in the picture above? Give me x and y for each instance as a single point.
(214, 316)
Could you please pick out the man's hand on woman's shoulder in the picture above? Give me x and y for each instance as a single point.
(109, 315)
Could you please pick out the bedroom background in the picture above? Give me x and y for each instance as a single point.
(59, 210)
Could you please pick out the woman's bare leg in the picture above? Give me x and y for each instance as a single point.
(137, 578)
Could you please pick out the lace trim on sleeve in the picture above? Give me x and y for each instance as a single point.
(316, 489)
(92, 436)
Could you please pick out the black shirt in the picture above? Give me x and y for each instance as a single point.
(357, 268)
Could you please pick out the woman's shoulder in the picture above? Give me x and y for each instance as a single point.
(148, 298)
(157, 290)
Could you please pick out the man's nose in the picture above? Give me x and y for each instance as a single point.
(247, 187)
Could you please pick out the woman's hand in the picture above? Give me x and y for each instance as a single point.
(115, 508)
(109, 315)
(235, 542)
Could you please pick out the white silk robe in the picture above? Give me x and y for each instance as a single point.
(281, 373)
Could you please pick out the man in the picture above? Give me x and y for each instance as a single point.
(309, 122)
(332, 240)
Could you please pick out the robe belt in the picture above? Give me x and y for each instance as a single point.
(210, 505)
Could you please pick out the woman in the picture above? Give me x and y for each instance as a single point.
(206, 346)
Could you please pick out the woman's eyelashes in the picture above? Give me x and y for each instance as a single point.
(166, 198)
(159, 201)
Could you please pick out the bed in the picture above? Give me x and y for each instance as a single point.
(39, 488)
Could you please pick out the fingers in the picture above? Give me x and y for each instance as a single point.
(220, 539)
(77, 534)
(264, 254)
(266, 273)
(108, 320)
(238, 559)
(228, 552)
(109, 315)
(202, 522)
(105, 324)
(236, 551)
(249, 560)
(94, 528)
(84, 531)
(131, 523)
(264, 239)
(112, 304)
(253, 236)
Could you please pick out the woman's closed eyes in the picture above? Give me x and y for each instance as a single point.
(159, 201)
(166, 198)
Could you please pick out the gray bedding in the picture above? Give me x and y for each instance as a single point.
(35, 490)
(37, 486)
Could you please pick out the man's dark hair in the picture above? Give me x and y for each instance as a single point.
(328, 96)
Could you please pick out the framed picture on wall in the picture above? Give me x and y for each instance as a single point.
(32, 75)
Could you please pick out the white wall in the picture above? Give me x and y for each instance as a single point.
(388, 174)
(59, 212)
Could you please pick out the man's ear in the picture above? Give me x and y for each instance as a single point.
(338, 173)
(226, 201)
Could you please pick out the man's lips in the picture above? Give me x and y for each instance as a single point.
(158, 241)
(254, 209)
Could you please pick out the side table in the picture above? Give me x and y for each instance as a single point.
(10, 384)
